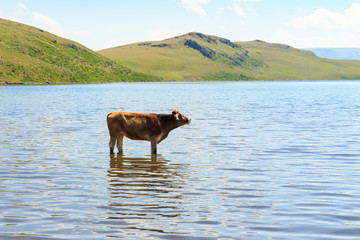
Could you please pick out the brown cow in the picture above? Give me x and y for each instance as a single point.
(142, 126)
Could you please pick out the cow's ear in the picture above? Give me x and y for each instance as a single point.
(175, 113)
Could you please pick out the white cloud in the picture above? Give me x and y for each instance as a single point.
(238, 10)
(195, 6)
(301, 40)
(281, 36)
(325, 19)
(241, 7)
(22, 9)
(39, 20)
(49, 24)
(220, 11)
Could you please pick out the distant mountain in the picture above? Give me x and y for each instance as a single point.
(193, 56)
(32, 55)
(197, 56)
(337, 53)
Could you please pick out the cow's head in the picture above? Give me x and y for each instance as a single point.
(180, 119)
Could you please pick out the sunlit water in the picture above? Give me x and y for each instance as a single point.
(260, 160)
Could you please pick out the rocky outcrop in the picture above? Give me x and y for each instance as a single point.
(228, 42)
(150, 44)
(203, 50)
(217, 49)
(212, 39)
(207, 38)
(161, 45)
(145, 44)
(71, 45)
(236, 61)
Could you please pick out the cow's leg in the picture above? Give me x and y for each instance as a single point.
(112, 144)
(119, 144)
(153, 146)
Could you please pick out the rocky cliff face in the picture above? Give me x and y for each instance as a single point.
(217, 49)
(203, 50)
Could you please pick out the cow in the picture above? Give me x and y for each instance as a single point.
(142, 126)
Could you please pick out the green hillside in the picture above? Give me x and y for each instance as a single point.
(31, 55)
(287, 63)
(196, 56)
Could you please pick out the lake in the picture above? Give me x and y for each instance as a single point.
(260, 160)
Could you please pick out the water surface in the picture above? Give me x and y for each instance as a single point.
(260, 160)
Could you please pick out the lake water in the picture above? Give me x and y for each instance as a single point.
(260, 160)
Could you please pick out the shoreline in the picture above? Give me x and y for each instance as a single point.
(199, 81)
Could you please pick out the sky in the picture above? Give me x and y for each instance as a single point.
(110, 23)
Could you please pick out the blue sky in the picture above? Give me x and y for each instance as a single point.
(109, 23)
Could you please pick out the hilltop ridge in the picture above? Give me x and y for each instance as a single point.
(192, 56)
(197, 56)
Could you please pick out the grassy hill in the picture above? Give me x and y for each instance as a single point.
(31, 55)
(196, 56)
(193, 56)
(287, 63)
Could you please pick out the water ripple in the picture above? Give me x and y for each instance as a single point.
(260, 160)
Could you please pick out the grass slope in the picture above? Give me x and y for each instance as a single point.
(196, 56)
(287, 63)
(193, 56)
(29, 55)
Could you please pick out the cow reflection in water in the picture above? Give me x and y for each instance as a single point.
(129, 165)
(151, 183)
(144, 189)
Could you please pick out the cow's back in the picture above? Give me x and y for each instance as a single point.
(136, 126)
